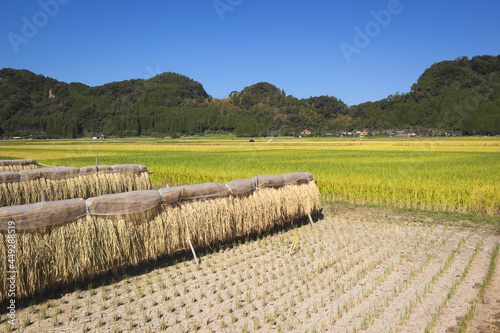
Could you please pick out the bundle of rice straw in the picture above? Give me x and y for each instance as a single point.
(17, 165)
(93, 241)
(59, 183)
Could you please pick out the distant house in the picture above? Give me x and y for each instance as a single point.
(426, 131)
(306, 132)
(456, 133)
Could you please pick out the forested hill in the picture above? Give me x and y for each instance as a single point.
(451, 95)
(35, 105)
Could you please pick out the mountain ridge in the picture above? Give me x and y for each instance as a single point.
(460, 95)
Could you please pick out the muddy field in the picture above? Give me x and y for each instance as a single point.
(343, 274)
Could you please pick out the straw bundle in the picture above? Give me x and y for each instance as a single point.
(82, 248)
(17, 165)
(84, 186)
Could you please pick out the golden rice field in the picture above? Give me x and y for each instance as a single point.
(357, 268)
(454, 174)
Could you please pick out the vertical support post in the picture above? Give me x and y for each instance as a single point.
(43, 194)
(191, 244)
(310, 219)
(194, 253)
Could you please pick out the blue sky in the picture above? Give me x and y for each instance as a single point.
(307, 48)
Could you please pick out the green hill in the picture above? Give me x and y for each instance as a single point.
(451, 95)
(35, 105)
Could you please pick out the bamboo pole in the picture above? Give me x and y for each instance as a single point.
(310, 219)
(194, 253)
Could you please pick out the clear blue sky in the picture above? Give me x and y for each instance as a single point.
(295, 45)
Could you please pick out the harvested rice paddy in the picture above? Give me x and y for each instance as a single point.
(346, 273)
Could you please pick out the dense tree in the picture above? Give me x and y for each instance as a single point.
(451, 95)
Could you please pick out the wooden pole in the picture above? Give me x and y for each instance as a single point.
(190, 244)
(194, 253)
(43, 194)
(310, 219)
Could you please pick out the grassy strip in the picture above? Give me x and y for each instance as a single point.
(464, 325)
(342, 207)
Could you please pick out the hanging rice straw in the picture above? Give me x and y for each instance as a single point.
(80, 249)
(17, 165)
(60, 183)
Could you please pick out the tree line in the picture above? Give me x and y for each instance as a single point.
(462, 94)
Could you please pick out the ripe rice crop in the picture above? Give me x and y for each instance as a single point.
(454, 174)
